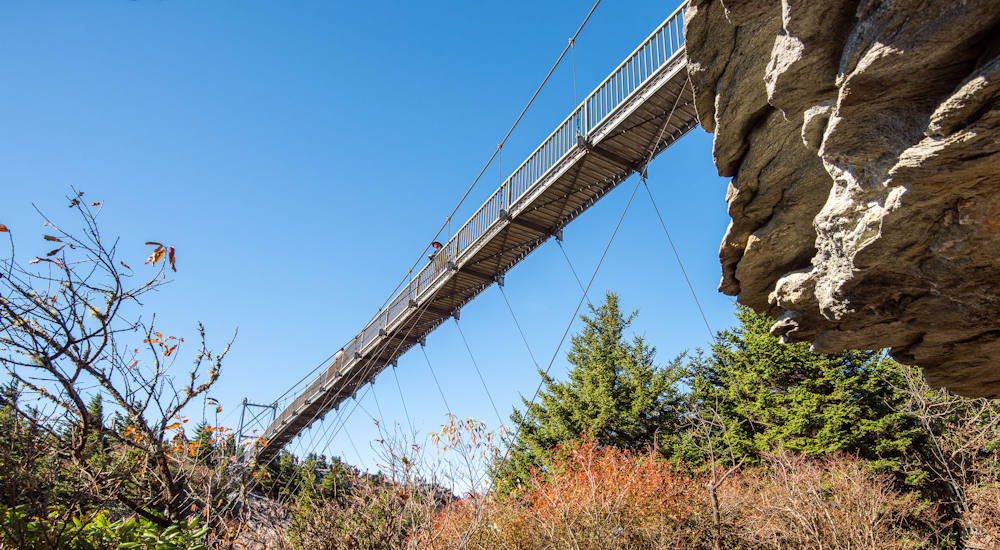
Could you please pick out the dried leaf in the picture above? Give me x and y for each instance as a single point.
(172, 259)
(95, 204)
(3, 228)
(158, 253)
(125, 265)
(173, 426)
(169, 351)
(51, 238)
(56, 251)
(218, 409)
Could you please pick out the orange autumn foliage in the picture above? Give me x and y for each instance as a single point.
(604, 498)
(593, 497)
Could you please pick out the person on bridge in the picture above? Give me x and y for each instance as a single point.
(439, 258)
(436, 246)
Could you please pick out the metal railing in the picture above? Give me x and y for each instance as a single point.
(654, 54)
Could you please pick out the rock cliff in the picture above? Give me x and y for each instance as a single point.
(863, 143)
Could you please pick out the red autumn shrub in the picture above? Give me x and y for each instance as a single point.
(592, 498)
(598, 498)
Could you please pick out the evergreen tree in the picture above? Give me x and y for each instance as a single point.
(772, 395)
(28, 468)
(284, 475)
(614, 393)
(95, 412)
(96, 439)
(205, 446)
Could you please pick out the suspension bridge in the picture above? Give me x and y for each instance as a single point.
(639, 110)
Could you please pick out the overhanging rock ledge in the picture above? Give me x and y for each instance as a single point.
(863, 143)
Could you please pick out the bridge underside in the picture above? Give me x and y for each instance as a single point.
(513, 223)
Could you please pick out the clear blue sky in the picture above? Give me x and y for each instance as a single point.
(300, 155)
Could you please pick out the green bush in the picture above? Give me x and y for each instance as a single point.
(94, 531)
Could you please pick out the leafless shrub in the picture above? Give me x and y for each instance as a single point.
(962, 453)
(983, 520)
(390, 509)
(71, 327)
(834, 502)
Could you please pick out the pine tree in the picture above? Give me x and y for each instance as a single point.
(96, 439)
(205, 445)
(27, 464)
(772, 395)
(284, 473)
(614, 393)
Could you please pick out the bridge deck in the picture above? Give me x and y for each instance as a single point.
(643, 107)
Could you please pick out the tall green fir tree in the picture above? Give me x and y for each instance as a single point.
(771, 395)
(614, 392)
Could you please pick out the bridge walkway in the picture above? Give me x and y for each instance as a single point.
(643, 107)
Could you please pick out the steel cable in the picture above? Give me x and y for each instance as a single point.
(519, 329)
(479, 372)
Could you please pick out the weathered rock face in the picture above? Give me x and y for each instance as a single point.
(863, 142)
